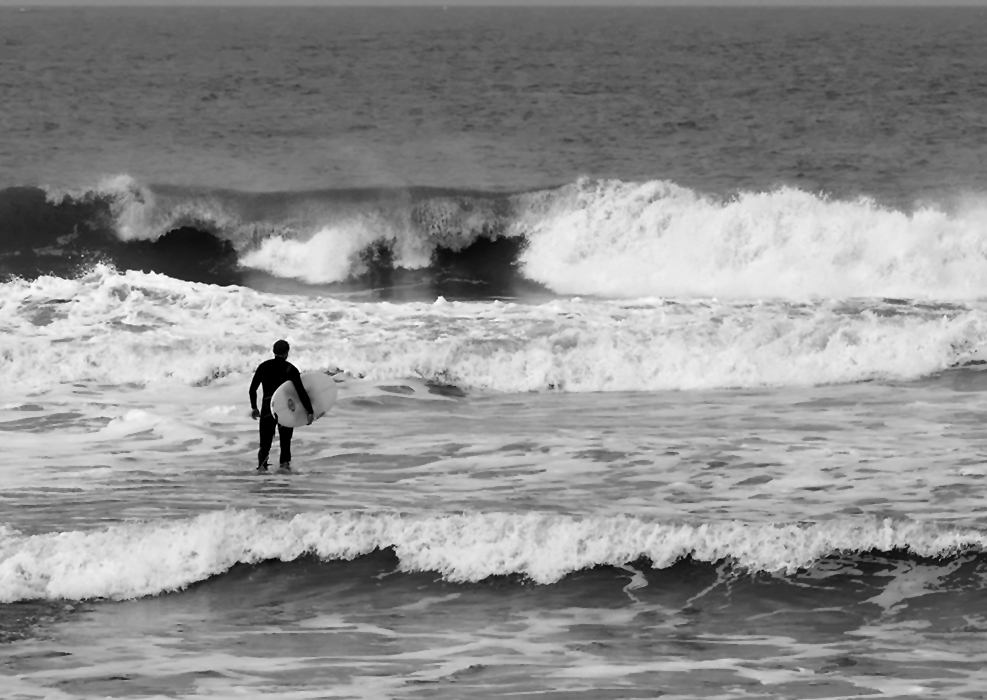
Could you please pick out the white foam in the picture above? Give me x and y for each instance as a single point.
(118, 328)
(328, 256)
(138, 559)
(331, 255)
(655, 238)
(133, 421)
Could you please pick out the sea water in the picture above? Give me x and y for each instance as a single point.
(658, 336)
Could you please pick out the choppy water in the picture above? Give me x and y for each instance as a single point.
(661, 338)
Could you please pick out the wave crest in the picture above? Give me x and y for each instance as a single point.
(619, 239)
(134, 560)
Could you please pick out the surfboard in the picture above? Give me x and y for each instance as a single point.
(287, 407)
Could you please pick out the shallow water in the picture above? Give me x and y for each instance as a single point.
(726, 467)
(888, 450)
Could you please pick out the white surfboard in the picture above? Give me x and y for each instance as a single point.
(287, 407)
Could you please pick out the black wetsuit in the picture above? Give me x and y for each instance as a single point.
(272, 374)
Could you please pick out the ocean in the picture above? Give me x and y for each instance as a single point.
(659, 337)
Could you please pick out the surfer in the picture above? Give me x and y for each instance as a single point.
(272, 374)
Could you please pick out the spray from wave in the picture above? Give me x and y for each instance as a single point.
(605, 238)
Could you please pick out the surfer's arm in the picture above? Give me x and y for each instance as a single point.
(296, 379)
(254, 383)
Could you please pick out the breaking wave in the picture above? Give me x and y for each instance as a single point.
(603, 238)
(140, 559)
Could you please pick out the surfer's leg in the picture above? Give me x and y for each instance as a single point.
(267, 425)
(284, 437)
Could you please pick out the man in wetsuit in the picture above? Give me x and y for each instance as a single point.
(272, 374)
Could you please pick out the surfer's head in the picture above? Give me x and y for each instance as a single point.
(281, 348)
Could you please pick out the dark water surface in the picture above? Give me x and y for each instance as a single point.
(851, 100)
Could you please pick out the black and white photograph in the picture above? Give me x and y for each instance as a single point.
(474, 349)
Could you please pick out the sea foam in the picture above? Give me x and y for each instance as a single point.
(625, 239)
(116, 328)
(131, 560)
